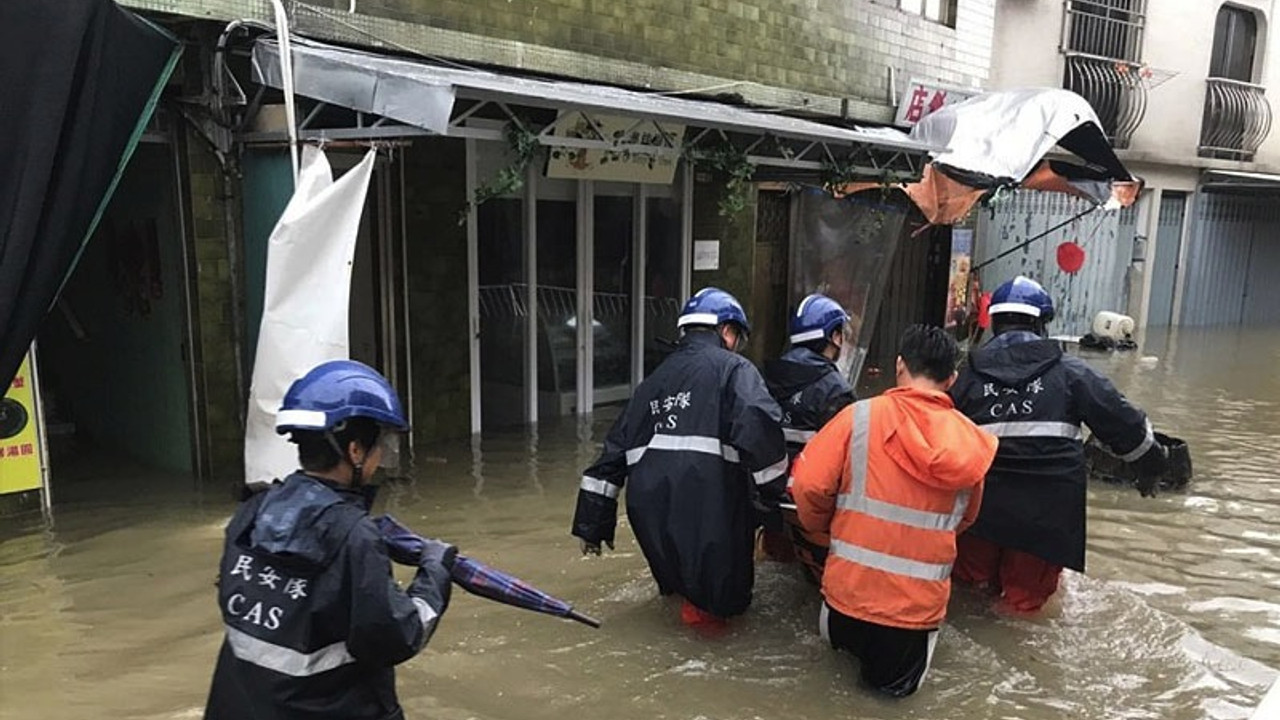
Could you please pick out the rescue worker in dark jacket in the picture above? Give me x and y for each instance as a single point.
(1022, 388)
(805, 380)
(695, 439)
(810, 389)
(315, 622)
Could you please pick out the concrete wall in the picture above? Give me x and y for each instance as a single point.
(435, 191)
(1179, 40)
(817, 53)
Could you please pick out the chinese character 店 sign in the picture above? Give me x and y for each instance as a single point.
(921, 98)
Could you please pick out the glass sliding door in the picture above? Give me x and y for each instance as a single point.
(612, 238)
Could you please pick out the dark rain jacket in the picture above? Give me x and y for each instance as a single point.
(314, 619)
(810, 390)
(695, 438)
(1031, 395)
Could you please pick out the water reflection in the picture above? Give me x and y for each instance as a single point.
(111, 612)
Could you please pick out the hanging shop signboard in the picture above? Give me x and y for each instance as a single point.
(921, 98)
(629, 162)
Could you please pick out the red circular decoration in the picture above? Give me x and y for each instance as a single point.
(1070, 257)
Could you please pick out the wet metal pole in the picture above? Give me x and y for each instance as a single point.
(1022, 245)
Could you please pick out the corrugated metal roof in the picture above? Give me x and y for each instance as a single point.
(398, 89)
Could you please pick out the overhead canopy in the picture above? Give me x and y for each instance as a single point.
(1000, 137)
(427, 97)
(1240, 181)
(80, 81)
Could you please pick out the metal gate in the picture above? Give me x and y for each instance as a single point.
(1164, 266)
(1232, 261)
(1107, 238)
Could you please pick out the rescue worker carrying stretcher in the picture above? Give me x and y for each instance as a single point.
(315, 622)
(696, 438)
(892, 480)
(1022, 388)
(809, 387)
(805, 380)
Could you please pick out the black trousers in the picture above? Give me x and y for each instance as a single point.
(894, 660)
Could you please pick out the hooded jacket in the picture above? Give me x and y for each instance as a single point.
(892, 480)
(695, 439)
(314, 619)
(810, 391)
(1025, 390)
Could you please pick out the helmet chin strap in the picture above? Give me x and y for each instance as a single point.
(357, 468)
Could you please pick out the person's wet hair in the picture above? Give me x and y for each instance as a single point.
(316, 454)
(929, 351)
(1010, 322)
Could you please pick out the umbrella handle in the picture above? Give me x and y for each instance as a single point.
(584, 619)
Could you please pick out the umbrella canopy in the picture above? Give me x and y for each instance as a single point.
(405, 546)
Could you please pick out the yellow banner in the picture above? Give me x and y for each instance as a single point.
(20, 435)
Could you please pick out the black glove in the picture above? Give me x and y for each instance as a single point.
(438, 551)
(1151, 467)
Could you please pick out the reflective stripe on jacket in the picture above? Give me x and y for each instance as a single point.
(892, 480)
(1024, 390)
(697, 439)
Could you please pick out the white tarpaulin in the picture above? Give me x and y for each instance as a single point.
(304, 313)
(1005, 134)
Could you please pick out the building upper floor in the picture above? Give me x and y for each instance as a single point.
(1180, 82)
(834, 58)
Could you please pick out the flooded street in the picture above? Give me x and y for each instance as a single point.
(111, 614)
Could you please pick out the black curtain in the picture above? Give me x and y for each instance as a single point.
(78, 79)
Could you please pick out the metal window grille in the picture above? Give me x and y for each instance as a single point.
(1110, 29)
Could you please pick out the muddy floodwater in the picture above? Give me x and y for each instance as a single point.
(110, 612)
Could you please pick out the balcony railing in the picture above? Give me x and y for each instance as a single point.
(1115, 88)
(1237, 118)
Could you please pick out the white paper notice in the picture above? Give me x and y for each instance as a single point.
(706, 254)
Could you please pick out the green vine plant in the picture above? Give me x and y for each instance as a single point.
(733, 162)
(837, 173)
(524, 145)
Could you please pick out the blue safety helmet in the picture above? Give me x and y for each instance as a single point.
(713, 306)
(1022, 296)
(335, 391)
(818, 317)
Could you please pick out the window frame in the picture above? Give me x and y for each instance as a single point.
(946, 10)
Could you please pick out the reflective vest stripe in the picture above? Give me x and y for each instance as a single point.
(922, 519)
(856, 500)
(801, 437)
(1034, 428)
(702, 444)
(285, 660)
(890, 563)
(599, 487)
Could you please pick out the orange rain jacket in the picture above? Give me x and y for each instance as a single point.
(892, 525)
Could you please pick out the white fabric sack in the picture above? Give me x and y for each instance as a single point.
(305, 308)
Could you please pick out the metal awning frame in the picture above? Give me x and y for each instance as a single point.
(797, 152)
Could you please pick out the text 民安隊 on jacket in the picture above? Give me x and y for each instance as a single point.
(1035, 398)
(314, 620)
(696, 438)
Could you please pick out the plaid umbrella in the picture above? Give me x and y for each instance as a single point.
(475, 577)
